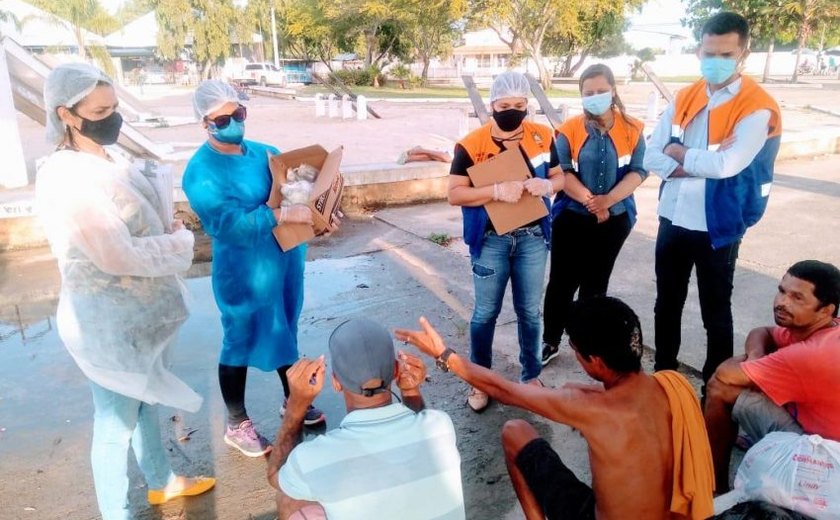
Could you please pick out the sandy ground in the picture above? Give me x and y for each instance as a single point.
(383, 267)
(389, 275)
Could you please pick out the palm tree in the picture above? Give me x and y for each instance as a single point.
(80, 16)
(8, 16)
(806, 14)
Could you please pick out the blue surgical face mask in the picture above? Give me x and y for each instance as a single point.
(233, 133)
(717, 70)
(598, 104)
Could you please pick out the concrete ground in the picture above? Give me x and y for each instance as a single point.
(384, 268)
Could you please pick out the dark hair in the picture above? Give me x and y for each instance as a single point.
(608, 328)
(69, 142)
(599, 69)
(824, 276)
(727, 22)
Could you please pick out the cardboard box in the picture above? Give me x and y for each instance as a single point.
(326, 193)
(509, 165)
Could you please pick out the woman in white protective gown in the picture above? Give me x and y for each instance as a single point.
(119, 251)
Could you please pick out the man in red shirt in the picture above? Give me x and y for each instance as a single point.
(789, 377)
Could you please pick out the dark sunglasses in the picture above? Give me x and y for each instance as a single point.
(223, 121)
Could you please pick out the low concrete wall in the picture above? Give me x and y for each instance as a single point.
(374, 186)
(367, 187)
(21, 233)
(809, 145)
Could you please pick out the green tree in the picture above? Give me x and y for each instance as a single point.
(175, 20)
(373, 27)
(206, 23)
(309, 33)
(774, 21)
(767, 27)
(567, 27)
(8, 16)
(431, 27)
(524, 24)
(808, 16)
(212, 32)
(79, 16)
(643, 56)
(597, 29)
(131, 10)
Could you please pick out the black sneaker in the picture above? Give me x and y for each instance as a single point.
(549, 352)
(313, 415)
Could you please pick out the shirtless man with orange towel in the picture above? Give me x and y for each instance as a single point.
(648, 447)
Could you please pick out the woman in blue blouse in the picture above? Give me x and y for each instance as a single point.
(601, 152)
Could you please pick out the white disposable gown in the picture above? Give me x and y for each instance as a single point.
(121, 302)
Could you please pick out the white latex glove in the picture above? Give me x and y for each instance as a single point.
(298, 214)
(539, 187)
(510, 191)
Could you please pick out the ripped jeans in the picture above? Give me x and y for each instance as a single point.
(518, 256)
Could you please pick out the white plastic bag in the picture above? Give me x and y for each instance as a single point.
(799, 472)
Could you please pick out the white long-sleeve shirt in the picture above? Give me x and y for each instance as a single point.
(683, 199)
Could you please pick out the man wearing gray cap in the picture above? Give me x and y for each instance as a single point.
(386, 459)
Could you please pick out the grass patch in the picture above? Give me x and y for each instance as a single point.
(441, 239)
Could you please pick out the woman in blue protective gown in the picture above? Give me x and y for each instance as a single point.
(258, 288)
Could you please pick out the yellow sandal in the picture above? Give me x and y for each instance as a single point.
(161, 496)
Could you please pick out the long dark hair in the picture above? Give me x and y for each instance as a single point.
(599, 69)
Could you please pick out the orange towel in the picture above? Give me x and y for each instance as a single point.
(694, 481)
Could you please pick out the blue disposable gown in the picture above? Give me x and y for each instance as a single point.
(258, 287)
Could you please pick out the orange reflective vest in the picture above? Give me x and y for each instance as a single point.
(735, 203)
(624, 136)
(536, 143)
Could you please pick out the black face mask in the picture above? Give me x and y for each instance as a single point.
(509, 120)
(104, 131)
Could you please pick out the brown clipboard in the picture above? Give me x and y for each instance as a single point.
(509, 165)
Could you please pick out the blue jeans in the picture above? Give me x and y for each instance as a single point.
(120, 422)
(518, 256)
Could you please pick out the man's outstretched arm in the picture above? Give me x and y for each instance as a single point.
(567, 406)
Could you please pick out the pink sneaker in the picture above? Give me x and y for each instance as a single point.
(246, 439)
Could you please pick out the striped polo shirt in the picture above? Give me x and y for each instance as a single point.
(386, 462)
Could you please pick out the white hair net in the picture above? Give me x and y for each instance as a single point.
(509, 84)
(66, 85)
(211, 95)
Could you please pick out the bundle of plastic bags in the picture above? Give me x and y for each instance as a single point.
(298, 186)
(796, 472)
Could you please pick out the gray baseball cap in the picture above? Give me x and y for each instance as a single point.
(363, 358)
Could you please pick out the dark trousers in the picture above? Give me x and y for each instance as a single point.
(583, 255)
(232, 383)
(678, 250)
